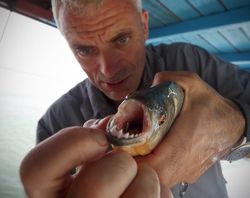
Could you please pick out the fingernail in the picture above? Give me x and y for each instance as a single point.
(91, 123)
(96, 121)
(101, 138)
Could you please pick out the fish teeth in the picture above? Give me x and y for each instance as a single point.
(112, 122)
(119, 133)
(113, 130)
(126, 135)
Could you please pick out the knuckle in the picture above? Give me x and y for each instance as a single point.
(193, 76)
(150, 173)
(24, 173)
(124, 160)
(27, 175)
(157, 79)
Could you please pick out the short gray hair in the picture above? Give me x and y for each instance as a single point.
(78, 5)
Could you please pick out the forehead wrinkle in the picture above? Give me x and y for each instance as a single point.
(94, 27)
(90, 35)
(82, 32)
(98, 19)
(99, 26)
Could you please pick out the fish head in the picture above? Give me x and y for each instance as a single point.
(143, 119)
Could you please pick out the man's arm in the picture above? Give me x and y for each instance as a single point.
(229, 80)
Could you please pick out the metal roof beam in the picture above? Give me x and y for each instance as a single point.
(232, 18)
(241, 59)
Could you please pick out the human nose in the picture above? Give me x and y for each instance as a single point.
(108, 63)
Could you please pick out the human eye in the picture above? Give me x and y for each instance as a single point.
(84, 51)
(123, 39)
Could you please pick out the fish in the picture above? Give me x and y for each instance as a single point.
(144, 117)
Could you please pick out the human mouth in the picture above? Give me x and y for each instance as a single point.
(115, 83)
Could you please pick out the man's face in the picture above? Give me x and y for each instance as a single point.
(109, 43)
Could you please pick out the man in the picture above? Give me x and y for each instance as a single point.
(108, 39)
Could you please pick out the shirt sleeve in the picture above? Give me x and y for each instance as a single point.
(65, 112)
(42, 132)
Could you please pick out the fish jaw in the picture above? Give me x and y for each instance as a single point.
(129, 112)
(144, 118)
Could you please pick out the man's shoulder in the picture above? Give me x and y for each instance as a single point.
(64, 112)
(75, 95)
(172, 48)
(176, 56)
(69, 103)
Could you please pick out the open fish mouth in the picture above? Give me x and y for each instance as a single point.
(144, 117)
(129, 124)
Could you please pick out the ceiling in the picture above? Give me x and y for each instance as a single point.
(220, 26)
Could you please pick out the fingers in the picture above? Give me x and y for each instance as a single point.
(145, 185)
(166, 193)
(107, 177)
(47, 166)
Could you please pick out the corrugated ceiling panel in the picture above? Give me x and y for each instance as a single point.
(159, 12)
(215, 39)
(153, 22)
(206, 7)
(198, 40)
(230, 4)
(180, 8)
(246, 29)
(237, 38)
(177, 39)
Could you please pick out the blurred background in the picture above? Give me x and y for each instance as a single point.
(37, 66)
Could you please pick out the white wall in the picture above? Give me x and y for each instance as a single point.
(237, 174)
(36, 67)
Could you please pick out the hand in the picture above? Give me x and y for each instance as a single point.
(45, 171)
(206, 128)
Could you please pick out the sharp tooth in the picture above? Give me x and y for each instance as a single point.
(119, 133)
(113, 130)
(136, 135)
(126, 135)
(112, 122)
(132, 136)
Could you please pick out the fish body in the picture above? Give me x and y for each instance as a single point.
(144, 117)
